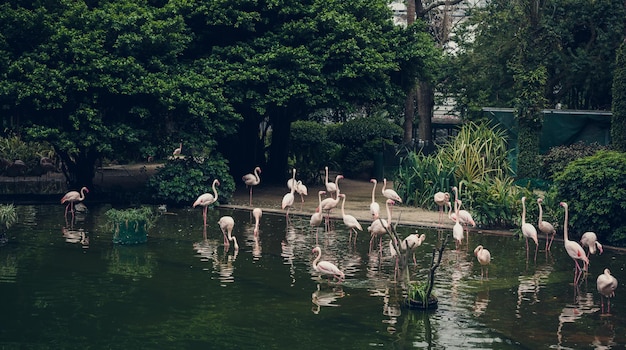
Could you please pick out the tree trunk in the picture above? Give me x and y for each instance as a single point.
(79, 170)
(245, 150)
(425, 105)
(409, 116)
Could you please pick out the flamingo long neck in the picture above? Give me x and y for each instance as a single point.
(343, 204)
(456, 210)
(256, 174)
(374, 191)
(337, 185)
(326, 168)
(317, 258)
(540, 212)
(388, 213)
(319, 196)
(565, 235)
(82, 194)
(214, 189)
(384, 186)
(523, 212)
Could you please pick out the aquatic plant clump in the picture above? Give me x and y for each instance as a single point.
(130, 226)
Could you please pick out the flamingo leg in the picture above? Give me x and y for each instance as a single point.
(250, 195)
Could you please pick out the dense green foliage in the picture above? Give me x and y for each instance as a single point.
(420, 177)
(576, 44)
(557, 158)
(618, 119)
(181, 180)
(360, 140)
(595, 188)
(310, 150)
(8, 216)
(14, 148)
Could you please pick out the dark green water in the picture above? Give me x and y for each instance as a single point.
(179, 291)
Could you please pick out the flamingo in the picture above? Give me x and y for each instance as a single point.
(302, 191)
(206, 199)
(545, 226)
(374, 206)
(590, 240)
(379, 226)
(252, 180)
(227, 223)
(574, 250)
(326, 267)
(441, 198)
(457, 230)
(73, 197)
(317, 217)
(289, 197)
(411, 242)
(484, 258)
(390, 193)
(465, 217)
(330, 187)
(350, 221)
(528, 230)
(606, 285)
(178, 150)
(331, 203)
(257, 213)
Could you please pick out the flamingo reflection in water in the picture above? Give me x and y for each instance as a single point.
(325, 298)
(529, 286)
(75, 236)
(571, 313)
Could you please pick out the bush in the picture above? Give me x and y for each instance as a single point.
(420, 177)
(497, 203)
(559, 157)
(183, 179)
(361, 139)
(595, 187)
(310, 150)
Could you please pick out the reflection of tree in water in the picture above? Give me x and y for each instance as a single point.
(8, 269)
(326, 297)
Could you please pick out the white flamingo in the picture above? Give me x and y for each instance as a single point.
(178, 150)
(484, 258)
(441, 198)
(390, 193)
(73, 197)
(227, 223)
(574, 250)
(590, 240)
(379, 226)
(457, 230)
(350, 221)
(252, 179)
(317, 217)
(606, 285)
(528, 230)
(374, 206)
(257, 213)
(411, 242)
(544, 226)
(288, 198)
(330, 187)
(206, 199)
(325, 267)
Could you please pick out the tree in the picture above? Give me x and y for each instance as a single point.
(618, 119)
(107, 80)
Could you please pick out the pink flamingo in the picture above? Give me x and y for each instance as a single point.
(317, 217)
(257, 213)
(331, 203)
(457, 230)
(590, 240)
(206, 199)
(379, 226)
(330, 187)
(465, 217)
(528, 230)
(289, 197)
(484, 258)
(411, 242)
(374, 206)
(390, 193)
(574, 250)
(178, 150)
(326, 267)
(227, 223)
(545, 226)
(73, 197)
(350, 221)
(252, 180)
(441, 198)
(606, 285)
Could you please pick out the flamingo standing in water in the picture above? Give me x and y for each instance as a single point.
(257, 213)
(590, 240)
(545, 226)
(330, 186)
(411, 242)
(325, 267)
(457, 230)
(606, 285)
(73, 197)
(252, 179)
(350, 221)
(374, 206)
(574, 250)
(227, 223)
(441, 198)
(464, 216)
(379, 226)
(289, 198)
(331, 203)
(317, 217)
(528, 230)
(206, 199)
(484, 258)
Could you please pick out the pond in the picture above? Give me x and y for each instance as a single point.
(68, 286)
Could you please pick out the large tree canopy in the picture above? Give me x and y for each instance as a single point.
(128, 79)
